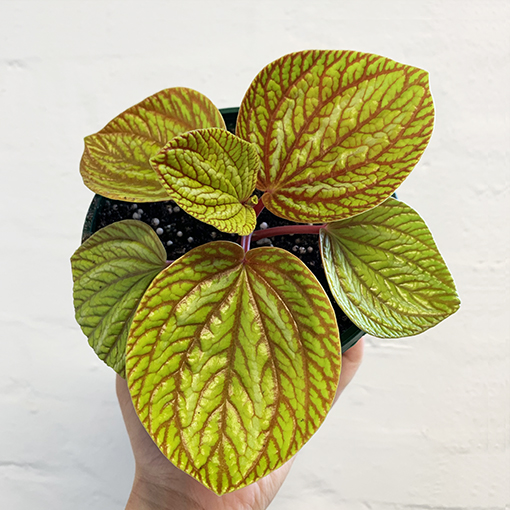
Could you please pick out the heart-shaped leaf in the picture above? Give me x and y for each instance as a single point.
(111, 271)
(386, 272)
(211, 174)
(233, 361)
(115, 163)
(337, 131)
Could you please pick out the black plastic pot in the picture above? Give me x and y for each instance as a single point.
(94, 221)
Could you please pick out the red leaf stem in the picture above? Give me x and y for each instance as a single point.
(245, 242)
(258, 208)
(287, 229)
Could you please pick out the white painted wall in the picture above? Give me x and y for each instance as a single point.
(426, 424)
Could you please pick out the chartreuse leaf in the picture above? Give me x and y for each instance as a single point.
(115, 163)
(211, 174)
(337, 131)
(111, 271)
(386, 272)
(233, 361)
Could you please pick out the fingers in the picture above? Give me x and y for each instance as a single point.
(122, 391)
(351, 361)
(136, 431)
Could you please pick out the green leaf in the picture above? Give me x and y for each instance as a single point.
(386, 272)
(233, 362)
(115, 163)
(337, 131)
(111, 271)
(211, 174)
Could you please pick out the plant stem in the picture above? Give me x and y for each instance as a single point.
(245, 242)
(287, 229)
(259, 207)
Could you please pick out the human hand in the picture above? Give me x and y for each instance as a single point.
(159, 485)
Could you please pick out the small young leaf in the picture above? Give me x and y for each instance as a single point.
(211, 174)
(115, 163)
(111, 271)
(233, 361)
(386, 272)
(337, 131)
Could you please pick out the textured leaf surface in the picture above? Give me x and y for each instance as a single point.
(338, 131)
(115, 163)
(111, 271)
(211, 174)
(233, 362)
(386, 272)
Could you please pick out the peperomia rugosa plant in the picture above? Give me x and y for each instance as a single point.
(232, 354)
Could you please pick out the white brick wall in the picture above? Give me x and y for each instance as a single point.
(426, 424)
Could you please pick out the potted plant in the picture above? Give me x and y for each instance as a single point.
(232, 349)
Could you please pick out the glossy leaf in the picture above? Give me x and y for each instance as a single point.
(337, 131)
(115, 163)
(111, 271)
(211, 174)
(386, 272)
(233, 362)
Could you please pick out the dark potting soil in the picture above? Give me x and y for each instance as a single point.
(179, 232)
